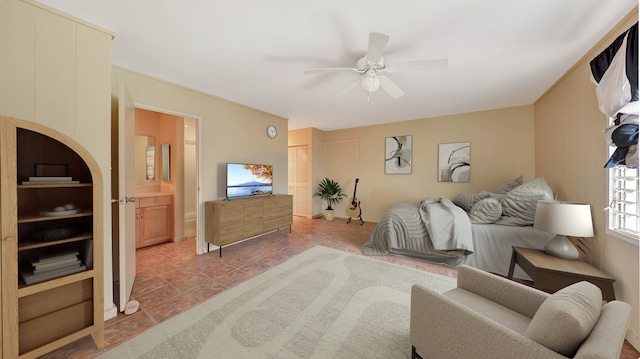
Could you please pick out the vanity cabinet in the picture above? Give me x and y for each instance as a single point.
(154, 220)
(51, 268)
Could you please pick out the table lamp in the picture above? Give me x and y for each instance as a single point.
(563, 219)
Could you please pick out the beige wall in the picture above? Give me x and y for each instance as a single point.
(56, 71)
(571, 153)
(502, 143)
(228, 132)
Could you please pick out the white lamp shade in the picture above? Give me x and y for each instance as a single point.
(568, 219)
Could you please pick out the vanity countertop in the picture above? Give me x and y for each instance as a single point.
(152, 194)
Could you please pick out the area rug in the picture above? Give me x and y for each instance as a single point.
(322, 303)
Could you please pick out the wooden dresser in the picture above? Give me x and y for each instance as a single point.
(230, 221)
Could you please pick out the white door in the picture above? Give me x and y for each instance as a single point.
(126, 195)
(299, 180)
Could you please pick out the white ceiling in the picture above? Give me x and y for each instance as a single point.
(501, 53)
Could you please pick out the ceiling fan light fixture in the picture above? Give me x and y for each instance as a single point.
(370, 83)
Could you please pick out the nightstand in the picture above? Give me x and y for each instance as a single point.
(551, 273)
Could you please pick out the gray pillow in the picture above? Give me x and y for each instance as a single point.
(520, 203)
(565, 319)
(506, 187)
(467, 200)
(486, 210)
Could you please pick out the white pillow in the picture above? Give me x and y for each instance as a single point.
(520, 203)
(565, 319)
(486, 210)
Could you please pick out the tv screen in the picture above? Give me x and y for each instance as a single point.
(244, 179)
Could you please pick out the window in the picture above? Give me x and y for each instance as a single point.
(624, 204)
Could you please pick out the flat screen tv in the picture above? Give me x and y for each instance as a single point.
(246, 179)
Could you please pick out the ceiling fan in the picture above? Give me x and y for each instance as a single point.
(372, 64)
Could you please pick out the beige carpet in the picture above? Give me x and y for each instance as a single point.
(322, 303)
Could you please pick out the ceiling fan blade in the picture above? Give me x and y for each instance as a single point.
(377, 43)
(418, 65)
(347, 88)
(392, 89)
(331, 69)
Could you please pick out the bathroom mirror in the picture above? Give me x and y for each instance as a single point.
(145, 160)
(166, 162)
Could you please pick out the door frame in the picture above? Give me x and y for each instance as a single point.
(200, 244)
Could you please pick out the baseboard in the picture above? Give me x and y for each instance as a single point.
(633, 339)
(110, 312)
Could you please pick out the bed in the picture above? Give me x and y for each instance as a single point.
(474, 229)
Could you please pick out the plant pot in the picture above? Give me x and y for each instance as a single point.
(329, 214)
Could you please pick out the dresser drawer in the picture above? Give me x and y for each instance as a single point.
(154, 201)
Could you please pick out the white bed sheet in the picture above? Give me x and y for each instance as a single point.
(493, 244)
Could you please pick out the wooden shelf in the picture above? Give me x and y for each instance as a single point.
(25, 290)
(24, 246)
(37, 218)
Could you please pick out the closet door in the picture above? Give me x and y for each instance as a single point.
(299, 180)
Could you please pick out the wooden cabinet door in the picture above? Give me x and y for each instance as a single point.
(252, 222)
(278, 212)
(230, 223)
(155, 225)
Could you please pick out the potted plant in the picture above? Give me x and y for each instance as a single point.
(330, 191)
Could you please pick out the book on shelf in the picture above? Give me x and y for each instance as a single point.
(49, 179)
(56, 264)
(30, 277)
(57, 256)
(88, 253)
(57, 268)
(48, 182)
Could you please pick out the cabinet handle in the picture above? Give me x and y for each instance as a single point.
(130, 199)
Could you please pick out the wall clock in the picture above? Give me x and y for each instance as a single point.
(272, 131)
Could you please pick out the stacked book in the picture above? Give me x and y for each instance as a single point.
(51, 266)
(50, 180)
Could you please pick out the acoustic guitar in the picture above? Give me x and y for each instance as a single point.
(353, 209)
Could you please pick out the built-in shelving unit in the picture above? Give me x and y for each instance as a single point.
(51, 269)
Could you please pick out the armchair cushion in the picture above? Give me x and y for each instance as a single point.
(565, 319)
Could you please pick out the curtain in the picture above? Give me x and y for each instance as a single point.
(615, 72)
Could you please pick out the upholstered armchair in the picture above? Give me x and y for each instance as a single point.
(488, 316)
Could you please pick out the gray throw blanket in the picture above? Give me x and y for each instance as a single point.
(406, 229)
(448, 225)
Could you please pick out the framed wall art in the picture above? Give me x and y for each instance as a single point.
(397, 159)
(454, 162)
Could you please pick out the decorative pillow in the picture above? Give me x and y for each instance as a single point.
(504, 188)
(467, 200)
(520, 203)
(486, 210)
(565, 319)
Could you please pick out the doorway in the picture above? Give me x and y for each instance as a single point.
(169, 165)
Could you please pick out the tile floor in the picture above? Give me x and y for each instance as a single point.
(171, 278)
